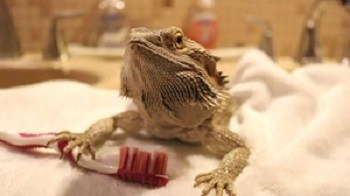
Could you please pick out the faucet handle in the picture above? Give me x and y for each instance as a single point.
(266, 43)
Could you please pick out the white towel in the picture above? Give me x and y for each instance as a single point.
(296, 125)
(60, 105)
(298, 128)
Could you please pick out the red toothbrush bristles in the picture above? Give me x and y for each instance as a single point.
(140, 166)
(160, 163)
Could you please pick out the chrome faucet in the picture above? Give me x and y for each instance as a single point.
(56, 47)
(9, 41)
(266, 43)
(309, 46)
(345, 59)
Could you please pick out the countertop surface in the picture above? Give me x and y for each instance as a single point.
(108, 69)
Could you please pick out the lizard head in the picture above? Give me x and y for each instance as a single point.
(165, 62)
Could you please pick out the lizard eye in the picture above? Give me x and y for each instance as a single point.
(178, 40)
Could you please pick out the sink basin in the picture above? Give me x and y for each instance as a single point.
(79, 50)
(16, 74)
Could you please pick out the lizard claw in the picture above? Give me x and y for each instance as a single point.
(81, 140)
(219, 179)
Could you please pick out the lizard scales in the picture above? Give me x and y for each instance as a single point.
(179, 94)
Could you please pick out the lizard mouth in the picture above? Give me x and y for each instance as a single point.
(133, 42)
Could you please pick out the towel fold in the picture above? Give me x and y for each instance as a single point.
(297, 125)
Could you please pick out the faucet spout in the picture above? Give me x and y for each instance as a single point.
(309, 46)
(56, 47)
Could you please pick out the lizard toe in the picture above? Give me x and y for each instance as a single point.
(70, 146)
(230, 189)
(201, 178)
(209, 187)
(218, 180)
(62, 136)
(81, 140)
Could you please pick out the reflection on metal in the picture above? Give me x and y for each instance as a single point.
(56, 47)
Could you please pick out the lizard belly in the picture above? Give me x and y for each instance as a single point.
(191, 135)
(191, 126)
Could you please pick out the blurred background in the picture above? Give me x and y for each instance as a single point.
(287, 18)
(301, 31)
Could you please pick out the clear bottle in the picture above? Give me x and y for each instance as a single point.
(202, 23)
(114, 26)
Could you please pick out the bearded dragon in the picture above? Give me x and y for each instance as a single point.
(179, 94)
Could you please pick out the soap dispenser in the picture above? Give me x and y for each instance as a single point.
(114, 26)
(202, 23)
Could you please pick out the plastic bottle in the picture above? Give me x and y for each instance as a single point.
(115, 26)
(202, 25)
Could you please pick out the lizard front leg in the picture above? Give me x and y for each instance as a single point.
(235, 155)
(99, 132)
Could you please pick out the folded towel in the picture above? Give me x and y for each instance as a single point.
(61, 105)
(296, 125)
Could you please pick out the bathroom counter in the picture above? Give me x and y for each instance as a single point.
(108, 69)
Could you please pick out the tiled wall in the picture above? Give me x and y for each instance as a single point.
(32, 18)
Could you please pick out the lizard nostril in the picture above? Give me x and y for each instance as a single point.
(158, 40)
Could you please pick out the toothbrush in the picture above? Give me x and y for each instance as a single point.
(143, 167)
(134, 165)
